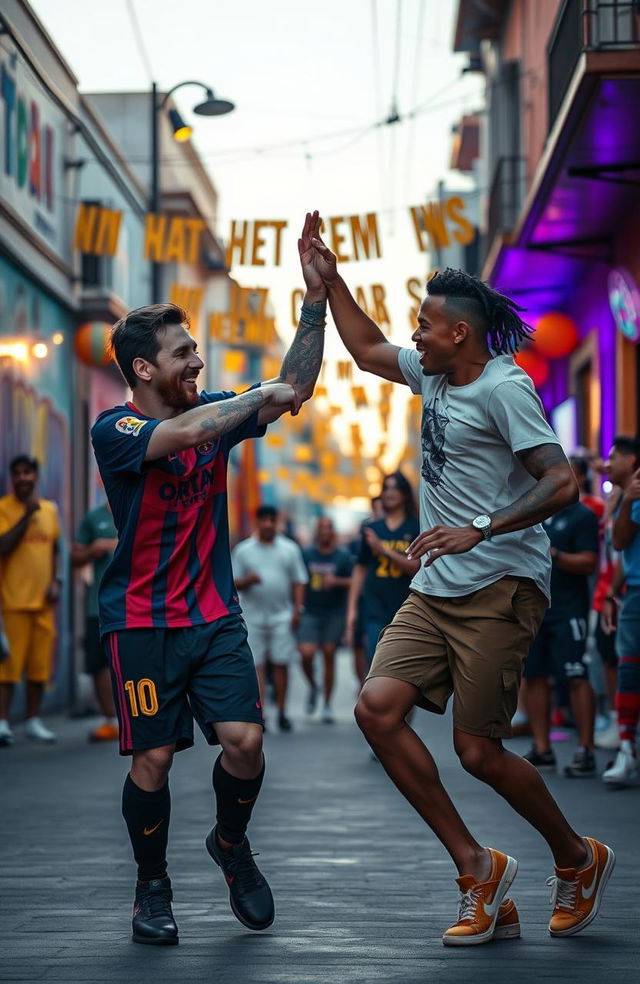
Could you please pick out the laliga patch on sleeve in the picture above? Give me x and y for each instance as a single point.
(130, 425)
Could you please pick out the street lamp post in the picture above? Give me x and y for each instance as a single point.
(210, 106)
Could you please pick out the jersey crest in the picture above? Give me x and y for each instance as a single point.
(130, 425)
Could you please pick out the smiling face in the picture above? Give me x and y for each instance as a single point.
(177, 366)
(23, 479)
(437, 338)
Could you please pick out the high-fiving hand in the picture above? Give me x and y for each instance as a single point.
(319, 265)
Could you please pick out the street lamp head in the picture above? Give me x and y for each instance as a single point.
(181, 130)
(212, 106)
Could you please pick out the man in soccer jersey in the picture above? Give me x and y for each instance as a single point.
(169, 615)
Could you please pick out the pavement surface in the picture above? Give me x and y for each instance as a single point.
(363, 890)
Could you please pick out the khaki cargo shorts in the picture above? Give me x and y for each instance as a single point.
(472, 646)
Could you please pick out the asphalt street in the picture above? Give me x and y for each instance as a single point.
(363, 890)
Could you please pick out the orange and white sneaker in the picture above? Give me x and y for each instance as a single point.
(480, 902)
(107, 731)
(576, 892)
(508, 922)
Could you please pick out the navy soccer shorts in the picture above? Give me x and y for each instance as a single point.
(559, 649)
(164, 679)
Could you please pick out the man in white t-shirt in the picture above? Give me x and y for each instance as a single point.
(270, 574)
(492, 471)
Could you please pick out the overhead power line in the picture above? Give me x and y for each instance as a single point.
(139, 38)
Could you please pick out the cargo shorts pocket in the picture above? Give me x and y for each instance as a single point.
(510, 687)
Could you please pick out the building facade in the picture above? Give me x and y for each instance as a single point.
(60, 291)
(560, 158)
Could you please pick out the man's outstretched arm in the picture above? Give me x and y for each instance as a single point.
(302, 362)
(361, 336)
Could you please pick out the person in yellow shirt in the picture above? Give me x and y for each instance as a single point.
(29, 590)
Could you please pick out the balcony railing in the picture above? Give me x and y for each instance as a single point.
(506, 197)
(587, 25)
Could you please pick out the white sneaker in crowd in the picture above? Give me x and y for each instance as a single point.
(327, 715)
(625, 767)
(6, 734)
(609, 736)
(35, 729)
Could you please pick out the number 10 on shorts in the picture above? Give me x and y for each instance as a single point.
(142, 697)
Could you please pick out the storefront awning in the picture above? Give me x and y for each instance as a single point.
(586, 188)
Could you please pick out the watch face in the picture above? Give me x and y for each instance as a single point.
(482, 522)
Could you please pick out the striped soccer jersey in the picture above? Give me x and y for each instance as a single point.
(172, 566)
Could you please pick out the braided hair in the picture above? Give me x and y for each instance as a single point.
(485, 308)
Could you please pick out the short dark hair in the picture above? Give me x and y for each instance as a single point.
(485, 309)
(627, 445)
(136, 335)
(24, 459)
(266, 512)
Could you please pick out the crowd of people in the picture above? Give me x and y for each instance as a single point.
(459, 604)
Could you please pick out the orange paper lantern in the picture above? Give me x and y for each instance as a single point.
(534, 365)
(91, 342)
(556, 335)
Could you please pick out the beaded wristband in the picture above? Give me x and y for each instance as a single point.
(314, 315)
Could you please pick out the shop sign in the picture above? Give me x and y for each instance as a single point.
(31, 145)
(624, 300)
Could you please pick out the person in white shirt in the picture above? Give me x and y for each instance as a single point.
(271, 575)
(492, 471)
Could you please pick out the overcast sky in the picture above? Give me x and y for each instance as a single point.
(297, 72)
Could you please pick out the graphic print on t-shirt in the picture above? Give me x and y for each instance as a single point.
(434, 421)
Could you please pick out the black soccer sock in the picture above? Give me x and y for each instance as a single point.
(147, 818)
(235, 799)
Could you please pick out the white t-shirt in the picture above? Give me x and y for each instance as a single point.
(469, 467)
(280, 565)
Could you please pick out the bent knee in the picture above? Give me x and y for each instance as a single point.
(245, 747)
(480, 757)
(154, 763)
(374, 716)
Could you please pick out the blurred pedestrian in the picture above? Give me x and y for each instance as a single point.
(382, 574)
(559, 649)
(492, 470)
(623, 467)
(355, 637)
(29, 590)
(270, 575)
(322, 623)
(169, 613)
(96, 541)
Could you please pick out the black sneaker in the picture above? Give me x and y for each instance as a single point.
(153, 920)
(545, 761)
(583, 764)
(249, 893)
(283, 722)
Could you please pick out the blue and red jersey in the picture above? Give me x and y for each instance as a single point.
(172, 566)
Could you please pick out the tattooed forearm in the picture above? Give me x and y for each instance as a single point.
(301, 364)
(555, 488)
(222, 417)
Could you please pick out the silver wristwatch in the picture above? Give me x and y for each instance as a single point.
(483, 523)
